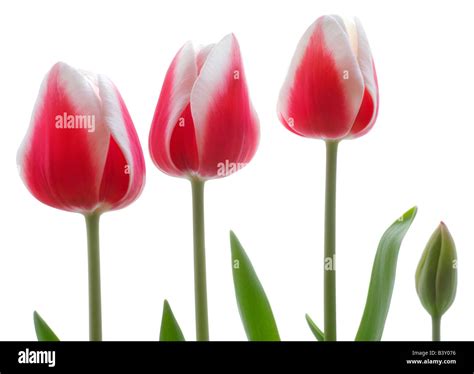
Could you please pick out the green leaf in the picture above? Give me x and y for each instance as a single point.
(314, 329)
(170, 330)
(43, 331)
(383, 278)
(255, 311)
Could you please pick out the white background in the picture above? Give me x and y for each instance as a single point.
(418, 153)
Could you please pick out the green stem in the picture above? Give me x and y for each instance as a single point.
(95, 310)
(436, 328)
(200, 287)
(330, 243)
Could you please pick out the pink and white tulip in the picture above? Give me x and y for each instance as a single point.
(204, 118)
(81, 152)
(331, 89)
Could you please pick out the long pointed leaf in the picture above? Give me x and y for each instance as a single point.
(43, 331)
(170, 330)
(383, 279)
(255, 310)
(318, 334)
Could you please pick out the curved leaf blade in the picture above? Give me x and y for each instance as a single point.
(255, 310)
(383, 278)
(43, 331)
(315, 329)
(170, 330)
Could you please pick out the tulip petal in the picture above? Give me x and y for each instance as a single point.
(174, 98)
(124, 172)
(183, 148)
(226, 125)
(365, 118)
(369, 107)
(289, 126)
(60, 163)
(202, 55)
(324, 87)
(115, 182)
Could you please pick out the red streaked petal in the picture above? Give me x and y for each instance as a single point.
(183, 148)
(174, 98)
(131, 162)
(366, 61)
(364, 117)
(125, 161)
(367, 67)
(137, 167)
(61, 166)
(116, 178)
(226, 125)
(324, 87)
(287, 125)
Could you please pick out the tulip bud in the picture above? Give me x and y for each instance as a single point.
(331, 90)
(436, 275)
(204, 125)
(81, 153)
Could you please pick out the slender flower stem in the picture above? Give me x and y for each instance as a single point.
(200, 287)
(95, 309)
(330, 243)
(436, 328)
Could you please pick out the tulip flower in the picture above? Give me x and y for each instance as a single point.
(204, 127)
(330, 93)
(82, 154)
(436, 276)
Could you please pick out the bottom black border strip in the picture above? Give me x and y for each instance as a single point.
(431, 357)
